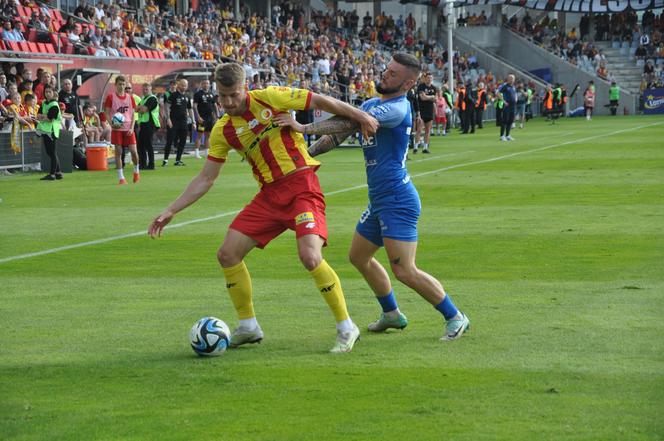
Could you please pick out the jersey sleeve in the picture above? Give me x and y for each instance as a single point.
(219, 146)
(389, 115)
(284, 98)
(108, 102)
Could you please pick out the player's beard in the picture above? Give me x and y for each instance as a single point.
(387, 90)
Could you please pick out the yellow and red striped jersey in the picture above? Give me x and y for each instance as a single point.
(271, 151)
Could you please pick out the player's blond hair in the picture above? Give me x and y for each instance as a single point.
(229, 74)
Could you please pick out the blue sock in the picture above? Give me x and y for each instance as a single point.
(447, 308)
(388, 302)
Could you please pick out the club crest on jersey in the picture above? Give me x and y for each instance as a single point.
(301, 218)
(266, 114)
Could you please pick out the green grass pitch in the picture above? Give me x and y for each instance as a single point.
(552, 244)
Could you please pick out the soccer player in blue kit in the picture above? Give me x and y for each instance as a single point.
(390, 219)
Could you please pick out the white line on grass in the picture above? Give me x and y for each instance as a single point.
(330, 193)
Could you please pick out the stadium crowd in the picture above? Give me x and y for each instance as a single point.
(644, 41)
(337, 54)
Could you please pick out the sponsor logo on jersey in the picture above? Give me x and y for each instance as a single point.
(310, 225)
(266, 114)
(301, 218)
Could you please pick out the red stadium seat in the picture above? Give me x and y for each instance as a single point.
(68, 49)
(122, 51)
(32, 35)
(91, 50)
(135, 53)
(57, 15)
(142, 53)
(23, 45)
(49, 48)
(2, 46)
(13, 45)
(34, 47)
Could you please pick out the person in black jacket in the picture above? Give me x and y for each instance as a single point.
(180, 113)
(469, 118)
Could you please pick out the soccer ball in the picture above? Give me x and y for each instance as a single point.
(117, 120)
(209, 337)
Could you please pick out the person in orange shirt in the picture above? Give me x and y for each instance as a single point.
(289, 198)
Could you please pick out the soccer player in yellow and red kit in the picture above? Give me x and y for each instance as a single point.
(289, 198)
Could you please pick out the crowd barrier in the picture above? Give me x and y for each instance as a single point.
(24, 150)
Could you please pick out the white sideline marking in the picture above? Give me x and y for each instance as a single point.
(344, 190)
(112, 238)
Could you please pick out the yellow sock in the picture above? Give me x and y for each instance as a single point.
(238, 283)
(329, 285)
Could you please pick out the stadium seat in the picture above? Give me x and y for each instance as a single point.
(13, 45)
(142, 53)
(56, 14)
(23, 45)
(640, 62)
(49, 48)
(624, 45)
(2, 46)
(32, 34)
(91, 50)
(615, 45)
(34, 47)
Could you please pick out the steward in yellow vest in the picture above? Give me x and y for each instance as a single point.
(48, 126)
(148, 123)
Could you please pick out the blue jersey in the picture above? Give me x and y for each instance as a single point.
(385, 153)
(509, 96)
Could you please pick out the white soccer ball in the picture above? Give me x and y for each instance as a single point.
(117, 120)
(209, 337)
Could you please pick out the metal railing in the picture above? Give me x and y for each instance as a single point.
(29, 147)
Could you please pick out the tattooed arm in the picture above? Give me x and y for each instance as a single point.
(334, 130)
(332, 126)
(327, 143)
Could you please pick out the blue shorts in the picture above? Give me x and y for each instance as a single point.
(393, 217)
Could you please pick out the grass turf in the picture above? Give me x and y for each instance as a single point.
(553, 245)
